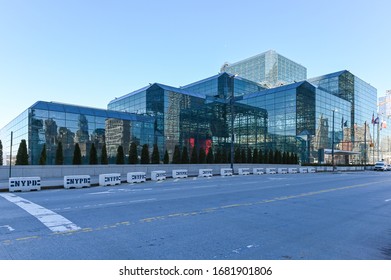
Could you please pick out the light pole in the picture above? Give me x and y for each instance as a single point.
(332, 145)
(365, 144)
(10, 168)
(231, 103)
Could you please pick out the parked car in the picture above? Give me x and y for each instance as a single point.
(380, 166)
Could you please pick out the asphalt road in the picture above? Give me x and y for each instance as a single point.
(288, 216)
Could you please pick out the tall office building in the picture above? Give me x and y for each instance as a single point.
(270, 69)
(385, 105)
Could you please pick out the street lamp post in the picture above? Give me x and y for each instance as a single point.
(231, 103)
(365, 144)
(332, 145)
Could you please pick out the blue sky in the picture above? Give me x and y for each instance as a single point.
(89, 52)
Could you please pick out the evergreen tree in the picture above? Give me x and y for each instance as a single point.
(166, 159)
(261, 158)
(255, 156)
(1, 153)
(243, 158)
(59, 154)
(42, 158)
(176, 158)
(155, 159)
(284, 158)
(249, 156)
(194, 156)
(201, 156)
(218, 157)
(224, 156)
(237, 156)
(120, 159)
(271, 157)
(277, 157)
(185, 156)
(133, 156)
(209, 156)
(104, 159)
(145, 154)
(76, 155)
(22, 156)
(93, 155)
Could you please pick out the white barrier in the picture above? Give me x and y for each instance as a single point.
(158, 175)
(271, 170)
(226, 172)
(179, 173)
(258, 171)
(292, 170)
(244, 171)
(110, 179)
(24, 184)
(303, 170)
(136, 177)
(77, 181)
(205, 172)
(282, 170)
(311, 170)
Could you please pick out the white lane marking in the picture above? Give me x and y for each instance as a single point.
(52, 220)
(8, 227)
(104, 192)
(387, 200)
(106, 204)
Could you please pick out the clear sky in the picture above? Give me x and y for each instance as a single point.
(88, 52)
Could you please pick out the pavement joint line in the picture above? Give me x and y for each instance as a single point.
(185, 214)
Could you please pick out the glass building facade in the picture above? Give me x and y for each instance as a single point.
(269, 69)
(50, 123)
(308, 118)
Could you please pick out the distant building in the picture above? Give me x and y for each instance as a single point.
(384, 130)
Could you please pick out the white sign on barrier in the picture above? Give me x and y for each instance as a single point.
(226, 172)
(271, 170)
(311, 170)
(179, 173)
(110, 179)
(24, 184)
(77, 181)
(303, 170)
(258, 171)
(282, 170)
(205, 172)
(158, 175)
(292, 170)
(136, 177)
(244, 171)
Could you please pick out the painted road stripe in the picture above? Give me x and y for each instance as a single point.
(387, 200)
(8, 227)
(52, 220)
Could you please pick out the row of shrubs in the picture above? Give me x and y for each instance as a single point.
(180, 156)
